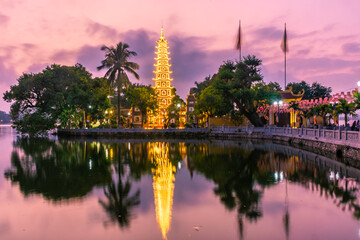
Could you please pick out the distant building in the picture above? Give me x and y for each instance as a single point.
(190, 107)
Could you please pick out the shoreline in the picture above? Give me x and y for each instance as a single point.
(337, 150)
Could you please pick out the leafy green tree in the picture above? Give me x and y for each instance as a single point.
(346, 108)
(239, 83)
(201, 86)
(357, 99)
(99, 102)
(274, 86)
(212, 103)
(324, 111)
(53, 95)
(315, 91)
(298, 87)
(320, 91)
(118, 65)
(144, 98)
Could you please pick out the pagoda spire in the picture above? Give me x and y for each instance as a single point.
(162, 81)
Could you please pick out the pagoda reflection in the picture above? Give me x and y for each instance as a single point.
(163, 184)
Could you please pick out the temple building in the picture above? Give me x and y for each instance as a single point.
(162, 83)
(279, 113)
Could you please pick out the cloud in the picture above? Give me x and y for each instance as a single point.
(63, 56)
(90, 57)
(4, 19)
(7, 77)
(98, 29)
(268, 33)
(4, 227)
(351, 48)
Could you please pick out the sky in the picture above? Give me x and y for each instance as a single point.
(323, 37)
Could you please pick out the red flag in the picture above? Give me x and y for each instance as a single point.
(284, 45)
(238, 39)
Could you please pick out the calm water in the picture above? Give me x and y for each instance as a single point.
(112, 189)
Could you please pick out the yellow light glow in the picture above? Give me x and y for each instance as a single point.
(162, 81)
(163, 184)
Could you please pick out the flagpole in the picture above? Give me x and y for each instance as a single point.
(240, 40)
(285, 59)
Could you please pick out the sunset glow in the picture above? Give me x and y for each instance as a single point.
(323, 37)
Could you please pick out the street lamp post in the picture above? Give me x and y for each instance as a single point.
(278, 103)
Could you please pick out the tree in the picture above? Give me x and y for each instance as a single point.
(320, 91)
(239, 83)
(201, 86)
(346, 108)
(357, 99)
(41, 100)
(212, 103)
(116, 61)
(298, 87)
(324, 111)
(144, 98)
(315, 91)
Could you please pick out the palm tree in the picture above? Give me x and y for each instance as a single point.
(346, 108)
(323, 110)
(357, 99)
(116, 61)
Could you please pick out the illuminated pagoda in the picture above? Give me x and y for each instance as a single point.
(163, 184)
(162, 80)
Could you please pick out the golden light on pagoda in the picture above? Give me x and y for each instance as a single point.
(163, 184)
(162, 80)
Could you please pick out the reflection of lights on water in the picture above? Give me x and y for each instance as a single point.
(279, 176)
(163, 185)
(129, 146)
(90, 164)
(334, 176)
(179, 165)
(106, 154)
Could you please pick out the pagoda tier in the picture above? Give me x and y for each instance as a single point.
(162, 80)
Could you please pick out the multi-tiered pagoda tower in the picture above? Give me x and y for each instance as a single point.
(162, 80)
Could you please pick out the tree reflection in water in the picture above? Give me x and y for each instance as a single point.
(120, 201)
(241, 175)
(58, 170)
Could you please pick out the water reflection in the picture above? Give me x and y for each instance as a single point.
(163, 184)
(119, 199)
(241, 172)
(58, 170)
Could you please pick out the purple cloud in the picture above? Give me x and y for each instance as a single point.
(268, 33)
(351, 48)
(7, 77)
(98, 29)
(90, 57)
(4, 19)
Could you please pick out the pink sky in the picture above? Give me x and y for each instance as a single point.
(324, 37)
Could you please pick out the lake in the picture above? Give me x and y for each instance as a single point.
(137, 189)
